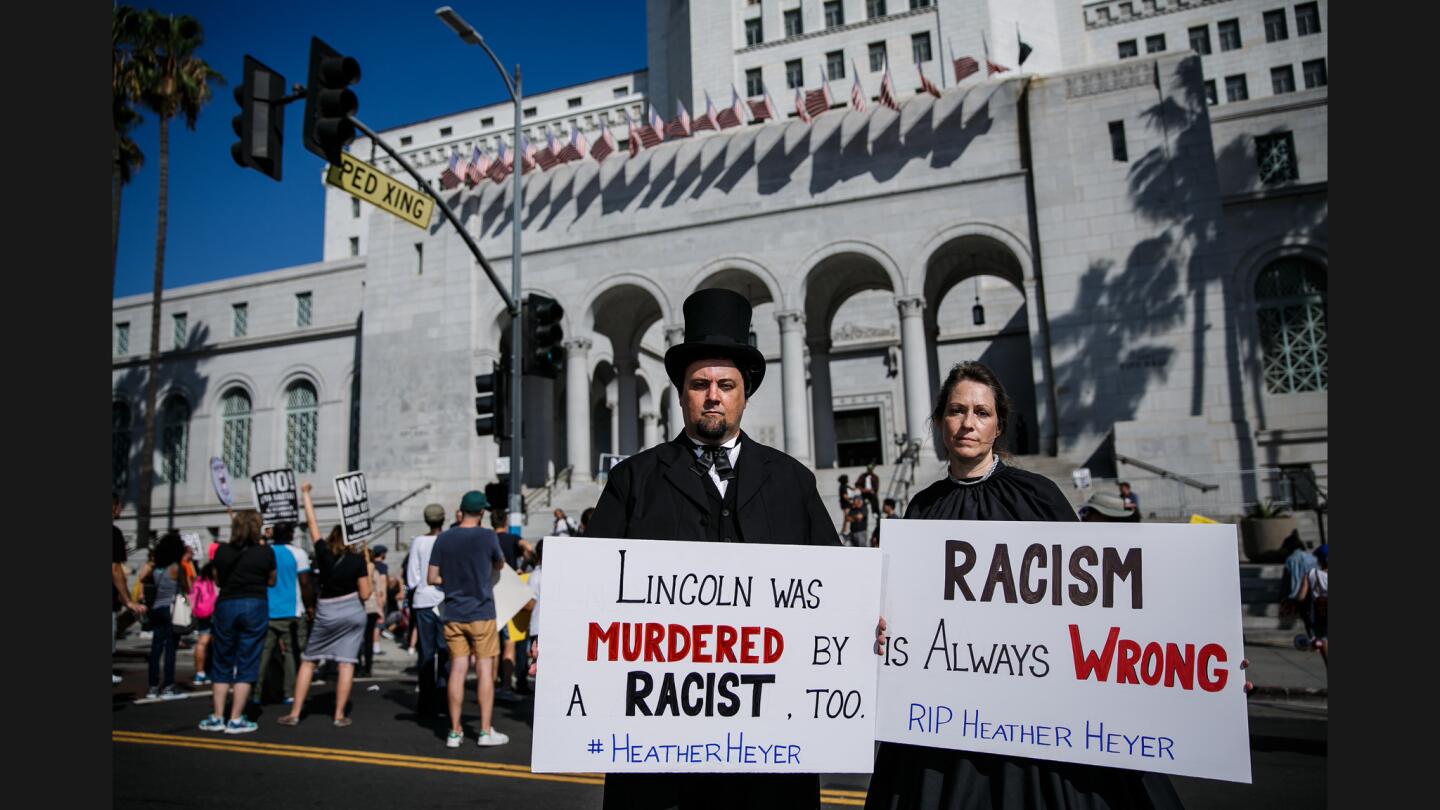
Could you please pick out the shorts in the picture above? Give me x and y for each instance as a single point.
(202, 626)
(479, 638)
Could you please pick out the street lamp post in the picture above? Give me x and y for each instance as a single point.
(470, 36)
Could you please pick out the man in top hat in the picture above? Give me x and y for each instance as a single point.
(713, 483)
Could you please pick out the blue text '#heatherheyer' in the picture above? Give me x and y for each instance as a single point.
(733, 750)
(933, 719)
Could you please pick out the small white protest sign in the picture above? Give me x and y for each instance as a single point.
(220, 477)
(1114, 644)
(511, 594)
(706, 657)
(353, 498)
(275, 496)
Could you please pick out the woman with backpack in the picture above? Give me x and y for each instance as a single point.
(1315, 596)
(202, 603)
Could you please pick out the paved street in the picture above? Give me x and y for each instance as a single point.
(376, 762)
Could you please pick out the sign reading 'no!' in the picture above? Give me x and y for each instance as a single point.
(353, 499)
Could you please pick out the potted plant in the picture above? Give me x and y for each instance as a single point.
(1263, 530)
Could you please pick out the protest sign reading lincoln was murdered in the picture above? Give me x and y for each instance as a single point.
(1101, 643)
(354, 501)
(704, 657)
(275, 496)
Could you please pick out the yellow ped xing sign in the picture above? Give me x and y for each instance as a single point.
(362, 180)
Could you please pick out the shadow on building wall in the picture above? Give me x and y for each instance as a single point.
(179, 375)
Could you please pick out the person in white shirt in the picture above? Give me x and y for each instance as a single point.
(434, 657)
(564, 526)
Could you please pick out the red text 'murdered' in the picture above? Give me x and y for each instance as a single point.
(700, 643)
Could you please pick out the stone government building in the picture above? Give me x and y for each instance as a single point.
(1145, 231)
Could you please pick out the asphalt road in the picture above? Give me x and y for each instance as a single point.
(161, 759)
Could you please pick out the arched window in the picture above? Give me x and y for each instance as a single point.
(174, 438)
(1290, 299)
(301, 426)
(235, 441)
(119, 445)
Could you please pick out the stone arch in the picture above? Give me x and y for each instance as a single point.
(716, 273)
(297, 371)
(806, 274)
(1006, 343)
(587, 309)
(919, 267)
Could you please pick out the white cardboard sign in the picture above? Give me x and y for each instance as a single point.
(511, 594)
(353, 498)
(220, 477)
(706, 657)
(1100, 643)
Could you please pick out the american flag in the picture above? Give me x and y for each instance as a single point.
(653, 131)
(763, 108)
(707, 120)
(991, 68)
(475, 171)
(818, 101)
(632, 136)
(680, 127)
(857, 93)
(547, 157)
(501, 166)
(527, 155)
(734, 115)
(926, 85)
(605, 144)
(575, 149)
(800, 106)
(887, 90)
(965, 66)
(450, 178)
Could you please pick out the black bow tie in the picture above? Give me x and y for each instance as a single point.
(714, 455)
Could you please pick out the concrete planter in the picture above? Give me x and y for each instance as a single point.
(1261, 538)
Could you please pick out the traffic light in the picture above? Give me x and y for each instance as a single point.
(261, 122)
(492, 401)
(328, 100)
(544, 356)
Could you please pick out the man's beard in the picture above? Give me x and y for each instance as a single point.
(712, 428)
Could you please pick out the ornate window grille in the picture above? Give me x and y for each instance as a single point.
(241, 313)
(122, 338)
(1276, 156)
(301, 426)
(303, 304)
(235, 442)
(1290, 297)
(120, 445)
(182, 329)
(174, 439)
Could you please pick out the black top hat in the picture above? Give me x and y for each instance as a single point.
(717, 324)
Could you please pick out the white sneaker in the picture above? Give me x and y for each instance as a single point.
(492, 737)
(115, 679)
(453, 740)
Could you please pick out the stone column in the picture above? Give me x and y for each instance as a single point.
(917, 373)
(612, 404)
(577, 407)
(649, 422)
(673, 335)
(824, 402)
(792, 372)
(627, 405)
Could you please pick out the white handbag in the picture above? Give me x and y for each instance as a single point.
(180, 613)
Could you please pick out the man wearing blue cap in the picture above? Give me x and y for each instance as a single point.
(713, 483)
(463, 561)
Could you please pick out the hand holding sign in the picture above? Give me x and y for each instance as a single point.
(354, 500)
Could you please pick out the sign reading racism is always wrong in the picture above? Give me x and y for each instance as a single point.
(353, 499)
(1099, 643)
(275, 496)
(706, 657)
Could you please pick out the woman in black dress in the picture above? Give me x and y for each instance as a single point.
(973, 413)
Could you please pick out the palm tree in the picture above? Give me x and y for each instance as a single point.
(125, 155)
(169, 79)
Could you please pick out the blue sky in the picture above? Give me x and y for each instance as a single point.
(225, 221)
